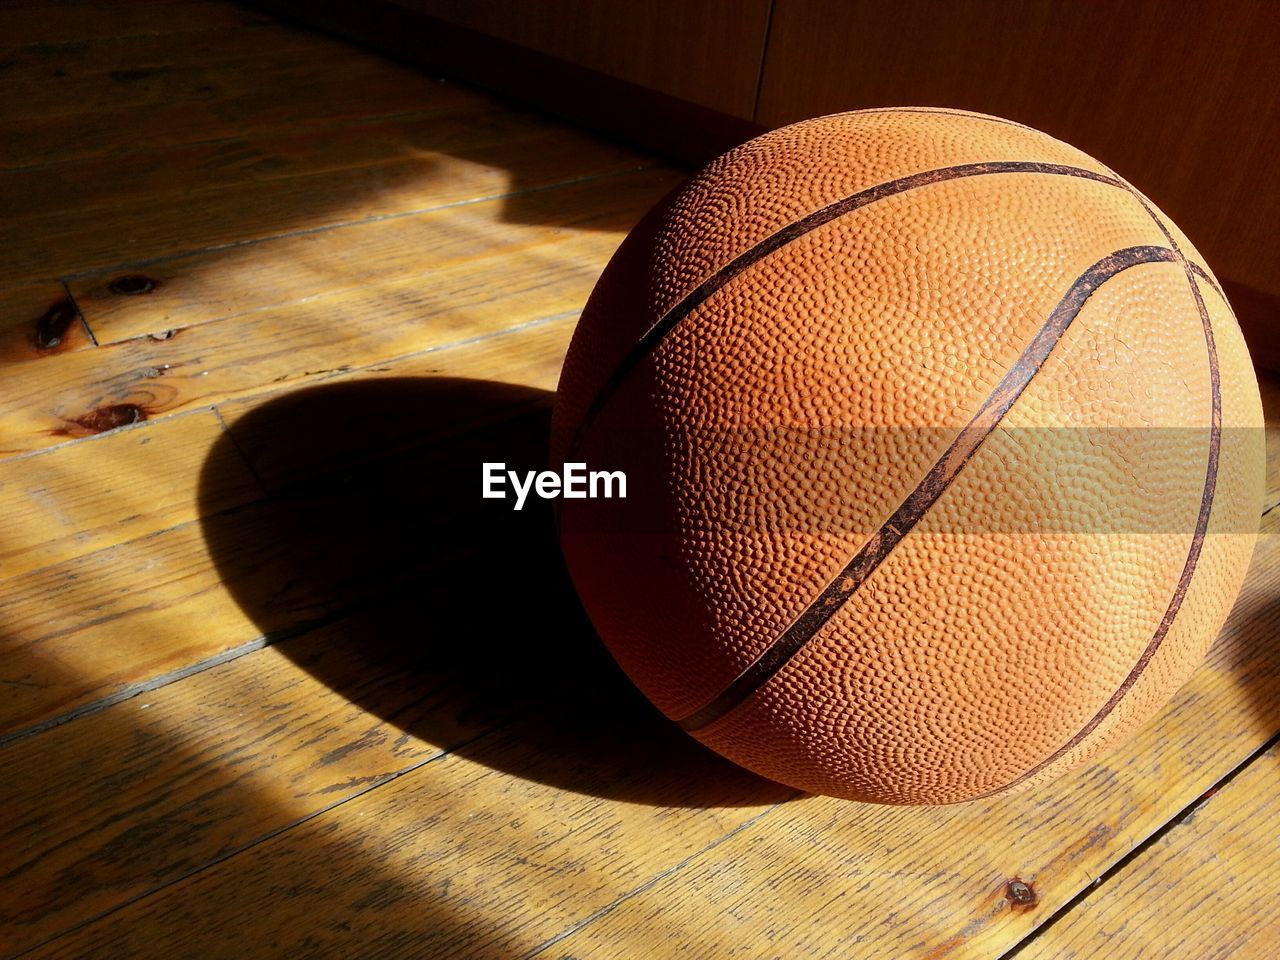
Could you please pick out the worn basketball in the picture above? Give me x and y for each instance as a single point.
(942, 450)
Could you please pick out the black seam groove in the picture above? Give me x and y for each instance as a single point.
(1204, 275)
(1202, 519)
(931, 488)
(792, 231)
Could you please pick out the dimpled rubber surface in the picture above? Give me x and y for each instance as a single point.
(771, 432)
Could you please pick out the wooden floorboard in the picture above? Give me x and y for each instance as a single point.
(118, 487)
(42, 22)
(438, 858)
(316, 265)
(495, 851)
(1204, 889)
(206, 549)
(461, 281)
(62, 80)
(276, 682)
(398, 181)
(471, 123)
(310, 81)
(168, 806)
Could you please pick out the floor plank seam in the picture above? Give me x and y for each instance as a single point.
(115, 431)
(244, 457)
(516, 412)
(341, 224)
(45, 45)
(655, 880)
(403, 357)
(75, 305)
(193, 195)
(441, 754)
(269, 639)
(133, 690)
(249, 135)
(292, 385)
(1177, 820)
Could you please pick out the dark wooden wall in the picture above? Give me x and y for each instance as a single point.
(709, 52)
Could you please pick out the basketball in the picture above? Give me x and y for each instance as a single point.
(942, 451)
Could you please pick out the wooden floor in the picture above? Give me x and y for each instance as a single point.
(266, 302)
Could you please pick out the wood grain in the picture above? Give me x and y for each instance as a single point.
(1201, 890)
(84, 497)
(1183, 106)
(37, 21)
(62, 80)
(108, 490)
(171, 798)
(90, 184)
(88, 628)
(391, 168)
(460, 857)
(76, 632)
(317, 82)
(310, 265)
(434, 297)
(484, 852)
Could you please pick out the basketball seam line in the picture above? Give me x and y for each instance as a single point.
(793, 231)
(1203, 274)
(1202, 519)
(934, 484)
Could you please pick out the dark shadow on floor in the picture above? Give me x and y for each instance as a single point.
(455, 618)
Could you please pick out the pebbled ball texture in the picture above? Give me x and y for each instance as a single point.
(1055, 590)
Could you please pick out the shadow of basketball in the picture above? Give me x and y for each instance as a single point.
(375, 564)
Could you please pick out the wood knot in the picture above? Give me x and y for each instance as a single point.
(52, 327)
(1021, 894)
(111, 417)
(132, 285)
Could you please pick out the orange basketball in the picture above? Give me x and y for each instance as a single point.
(943, 456)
